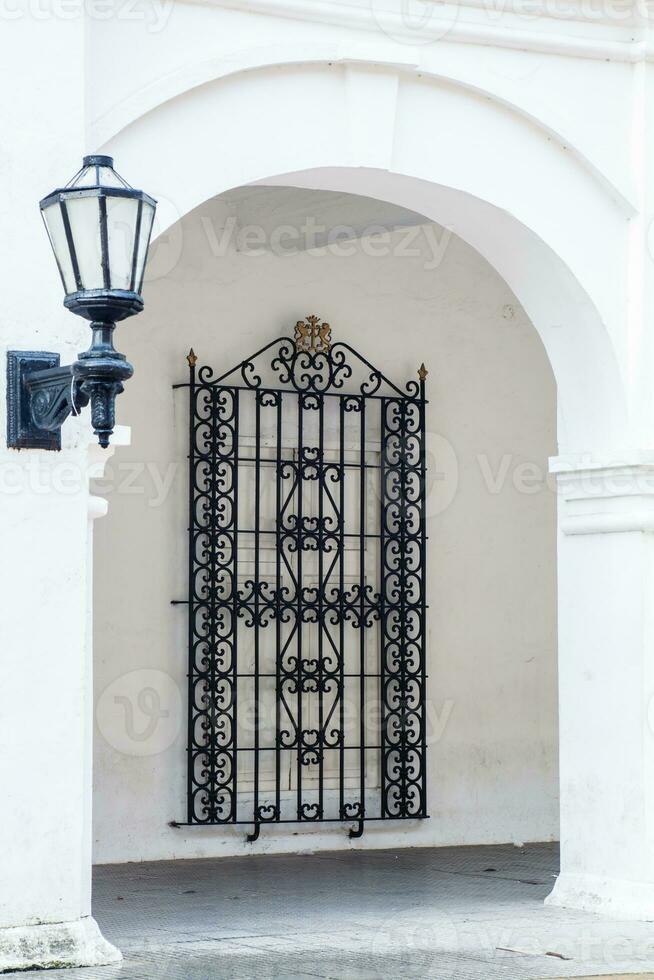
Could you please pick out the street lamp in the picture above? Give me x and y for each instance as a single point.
(99, 228)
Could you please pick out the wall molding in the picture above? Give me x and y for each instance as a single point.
(461, 22)
(604, 496)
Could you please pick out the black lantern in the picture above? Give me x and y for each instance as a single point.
(99, 228)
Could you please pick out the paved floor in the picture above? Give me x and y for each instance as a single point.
(450, 913)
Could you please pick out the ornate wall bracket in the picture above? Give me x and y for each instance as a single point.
(40, 396)
(41, 393)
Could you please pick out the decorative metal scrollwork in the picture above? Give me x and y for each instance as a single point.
(306, 588)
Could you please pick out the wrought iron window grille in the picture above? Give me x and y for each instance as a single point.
(306, 601)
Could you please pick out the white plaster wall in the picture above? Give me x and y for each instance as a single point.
(491, 419)
(44, 668)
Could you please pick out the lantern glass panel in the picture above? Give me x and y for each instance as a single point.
(147, 218)
(54, 224)
(121, 234)
(84, 217)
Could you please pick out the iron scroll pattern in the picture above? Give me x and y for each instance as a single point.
(308, 619)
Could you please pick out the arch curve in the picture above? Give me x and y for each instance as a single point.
(529, 207)
(374, 55)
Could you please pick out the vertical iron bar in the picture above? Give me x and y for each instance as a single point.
(257, 520)
(300, 545)
(382, 609)
(278, 603)
(423, 586)
(191, 592)
(362, 593)
(321, 625)
(402, 405)
(235, 671)
(341, 610)
(211, 684)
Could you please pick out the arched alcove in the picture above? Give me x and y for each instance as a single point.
(237, 273)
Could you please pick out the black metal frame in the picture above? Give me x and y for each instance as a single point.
(310, 374)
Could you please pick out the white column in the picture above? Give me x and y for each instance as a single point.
(46, 710)
(606, 684)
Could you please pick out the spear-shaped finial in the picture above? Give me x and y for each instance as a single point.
(192, 359)
(423, 372)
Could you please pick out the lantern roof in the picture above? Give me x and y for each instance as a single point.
(96, 177)
(99, 228)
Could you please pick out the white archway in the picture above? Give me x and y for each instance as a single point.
(557, 231)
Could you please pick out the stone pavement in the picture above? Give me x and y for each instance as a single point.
(473, 913)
